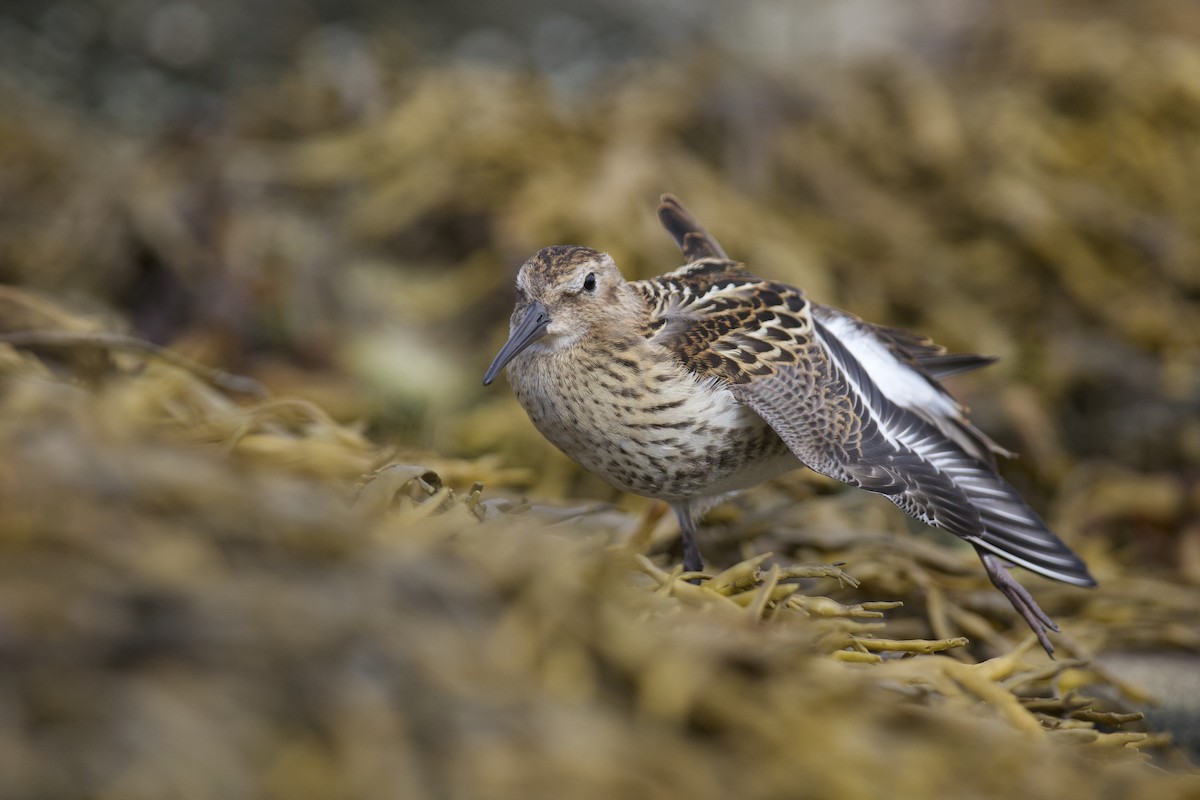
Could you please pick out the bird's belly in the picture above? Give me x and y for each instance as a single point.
(670, 438)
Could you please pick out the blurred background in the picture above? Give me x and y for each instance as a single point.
(334, 198)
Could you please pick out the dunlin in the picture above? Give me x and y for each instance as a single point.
(707, 380)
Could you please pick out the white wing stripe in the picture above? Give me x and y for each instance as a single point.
(895, 380)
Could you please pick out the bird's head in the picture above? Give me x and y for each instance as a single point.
(563, 292)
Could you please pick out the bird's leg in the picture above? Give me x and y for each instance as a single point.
(1020, 598)
(692, 562)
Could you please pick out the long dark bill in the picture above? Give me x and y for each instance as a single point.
(531, 328)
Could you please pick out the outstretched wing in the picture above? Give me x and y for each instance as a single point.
(847, 407)
(928, 473)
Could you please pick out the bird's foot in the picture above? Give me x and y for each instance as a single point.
(1037, 619)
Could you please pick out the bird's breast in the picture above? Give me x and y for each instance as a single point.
(645, 424)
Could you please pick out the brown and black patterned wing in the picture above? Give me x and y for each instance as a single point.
(697, 244)
(759, 339)
(723, 324)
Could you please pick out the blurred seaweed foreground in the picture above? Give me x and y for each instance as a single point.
(200, 600)
(352, 573)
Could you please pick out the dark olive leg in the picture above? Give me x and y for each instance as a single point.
(1020, 598)
(692, 562)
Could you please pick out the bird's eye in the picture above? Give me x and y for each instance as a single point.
(589, 283)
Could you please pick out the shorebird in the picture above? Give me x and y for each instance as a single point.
(707, 380)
